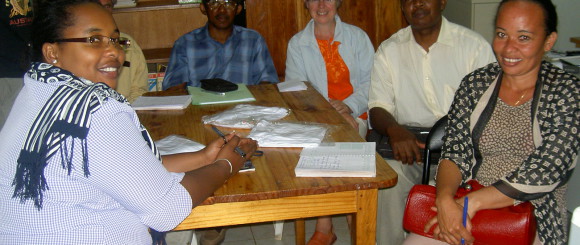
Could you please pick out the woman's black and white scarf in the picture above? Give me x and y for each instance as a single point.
(67, 113)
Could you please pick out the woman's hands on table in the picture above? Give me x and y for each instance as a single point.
(344, 111)
(340, 106)
(203, 181)
(227, 150)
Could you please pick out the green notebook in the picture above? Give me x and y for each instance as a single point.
(202, 97)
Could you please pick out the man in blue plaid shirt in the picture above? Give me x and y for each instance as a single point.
(220, 50)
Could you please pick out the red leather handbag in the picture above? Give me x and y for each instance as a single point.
(512, 225)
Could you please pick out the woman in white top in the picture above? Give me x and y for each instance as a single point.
(337, 59)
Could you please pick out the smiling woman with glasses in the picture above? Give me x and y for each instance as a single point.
(75, 158)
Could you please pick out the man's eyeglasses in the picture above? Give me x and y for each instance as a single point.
(318, 1)
(108, 6)
(228, 4)
(99, 41)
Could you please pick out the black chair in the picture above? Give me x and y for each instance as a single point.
(433, 144)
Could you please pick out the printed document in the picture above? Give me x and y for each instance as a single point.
(343, 159)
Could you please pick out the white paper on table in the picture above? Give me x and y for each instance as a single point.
(174, 144)
(344, 159)
(245, 116)
(290, 86)
(287, 134)
(161, 102)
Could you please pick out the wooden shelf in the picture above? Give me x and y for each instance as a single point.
(575, 40)
(158, 55)
(156, 5)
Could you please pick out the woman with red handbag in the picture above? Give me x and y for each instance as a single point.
(513, 127)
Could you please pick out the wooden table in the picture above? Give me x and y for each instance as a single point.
(273, 192)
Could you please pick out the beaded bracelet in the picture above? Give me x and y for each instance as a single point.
(230, 163)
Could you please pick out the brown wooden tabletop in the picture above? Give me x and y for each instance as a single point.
(273, 192)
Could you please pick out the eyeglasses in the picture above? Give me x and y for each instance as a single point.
(108, 6)
(228, 4)
(318, 1)
(99, 41)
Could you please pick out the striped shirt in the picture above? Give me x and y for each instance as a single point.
(127, 191)
(243, 58)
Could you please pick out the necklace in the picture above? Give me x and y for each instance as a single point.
(521, 97)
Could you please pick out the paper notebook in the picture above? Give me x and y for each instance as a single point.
(291, 86)
(352, 159)
(202, 97)
(161, 102)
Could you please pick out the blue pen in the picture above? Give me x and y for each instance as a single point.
(237, 149)
(465, 203)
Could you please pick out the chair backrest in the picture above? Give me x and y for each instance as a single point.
(433, 143)
(575, 227)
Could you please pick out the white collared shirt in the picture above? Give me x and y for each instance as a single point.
(416, 86)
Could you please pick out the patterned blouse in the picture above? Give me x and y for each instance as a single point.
(555, 122)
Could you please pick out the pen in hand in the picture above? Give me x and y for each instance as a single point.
(465, 203)
(237, 149)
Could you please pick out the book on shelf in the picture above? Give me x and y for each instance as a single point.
(161, 68)
(343, 159)
(188, 1)
(155, 76)
(152, 81)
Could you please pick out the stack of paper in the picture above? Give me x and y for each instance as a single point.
(245, 116)
(189, 1)
(174, 144)
(161, 102)
(202, 97)
(287, 134)
(290, 86)
(353, 159)
(125, 4)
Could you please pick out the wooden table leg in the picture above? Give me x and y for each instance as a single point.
(299, 227)
(365, 218)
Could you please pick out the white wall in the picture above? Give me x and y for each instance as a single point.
(573, 194)
(460, 12)
(568, 22)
